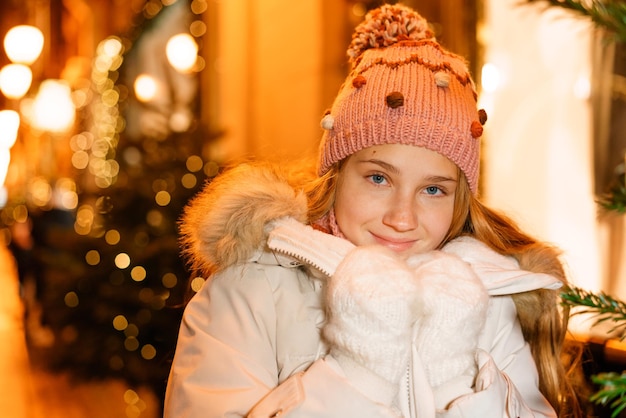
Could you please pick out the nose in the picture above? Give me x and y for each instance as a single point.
(401, 215)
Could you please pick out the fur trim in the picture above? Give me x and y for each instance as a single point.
(224, 224)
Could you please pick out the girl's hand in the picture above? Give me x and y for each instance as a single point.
(373, 303)
(454, 305)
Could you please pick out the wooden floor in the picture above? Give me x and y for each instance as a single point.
(28, 390)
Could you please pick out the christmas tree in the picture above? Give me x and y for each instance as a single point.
(110, 280)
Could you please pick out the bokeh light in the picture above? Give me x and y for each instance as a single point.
(23, 44)
(146, 87)
(182, 52)
(15, 80)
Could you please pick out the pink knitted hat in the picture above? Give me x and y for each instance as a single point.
(404, 88)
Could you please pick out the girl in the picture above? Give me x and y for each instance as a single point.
(380, 286)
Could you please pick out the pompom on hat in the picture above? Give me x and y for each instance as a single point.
(404, 88)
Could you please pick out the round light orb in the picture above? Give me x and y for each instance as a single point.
(53, 109)
(182, 52)
(23, 44)
(15, 80)
(146, 88)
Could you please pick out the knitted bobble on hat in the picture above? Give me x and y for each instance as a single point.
(387, 26)
(404, 88)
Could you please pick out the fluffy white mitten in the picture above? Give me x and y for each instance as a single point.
(372, 304)
(454, 303)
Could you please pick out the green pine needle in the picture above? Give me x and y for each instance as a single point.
(609, 14)
(612, 386)
(612, 392)
(602, 306)
(615, 200)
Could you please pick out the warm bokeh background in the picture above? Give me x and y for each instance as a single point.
(88, 209)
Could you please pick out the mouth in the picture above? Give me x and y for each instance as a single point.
(394, 244)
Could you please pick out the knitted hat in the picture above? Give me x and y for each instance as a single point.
(404, 88)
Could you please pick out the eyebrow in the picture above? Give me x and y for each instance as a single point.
(440, 179)
(394, 170)
(383, 164)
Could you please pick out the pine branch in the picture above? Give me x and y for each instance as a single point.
(612, 391)
(609, 14)
(615, 200)
(602, 306)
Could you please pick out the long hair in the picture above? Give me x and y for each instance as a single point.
(543, 320)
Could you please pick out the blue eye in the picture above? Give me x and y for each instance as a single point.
(433, 190)
(377, 178)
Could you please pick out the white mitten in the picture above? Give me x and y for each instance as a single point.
(454, 303)
(372, 304)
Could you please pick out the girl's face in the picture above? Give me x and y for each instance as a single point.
(398, 196)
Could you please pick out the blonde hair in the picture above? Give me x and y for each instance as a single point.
(542, 318)
(543, 323)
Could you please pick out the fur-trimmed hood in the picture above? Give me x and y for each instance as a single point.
(224, 223)
(227, 222)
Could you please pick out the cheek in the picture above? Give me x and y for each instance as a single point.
(347, 208)
(353, 208)
(438, 223)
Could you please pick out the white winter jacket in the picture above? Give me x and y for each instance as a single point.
(250, 342)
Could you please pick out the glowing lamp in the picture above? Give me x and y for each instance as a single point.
(15, 80)
(9, 125)
(182, 52)
(53, 109)
(491, 77)
(5, 159)
(145, 87)
(23, 44)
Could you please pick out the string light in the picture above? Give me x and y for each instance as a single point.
(53, 109)
(146, 88)
(15, 80)
(23, 44)
(121, 259)
(182, 52)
